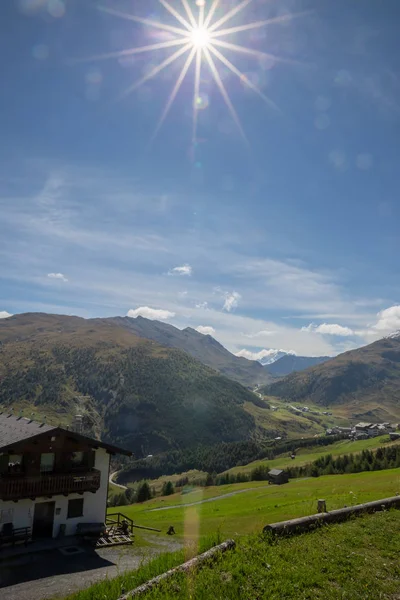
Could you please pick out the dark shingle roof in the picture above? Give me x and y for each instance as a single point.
(17, 429)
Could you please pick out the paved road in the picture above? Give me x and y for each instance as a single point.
(262, 487)
(44, 575)
(110, 479)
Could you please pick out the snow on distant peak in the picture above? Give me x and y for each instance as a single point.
(266, 356)
(395, 334)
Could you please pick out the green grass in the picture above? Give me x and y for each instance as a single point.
(307, 455)
(357, 560)
(112, 589)
(249, 511)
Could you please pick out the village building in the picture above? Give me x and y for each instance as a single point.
(277, 476)
(51, 479)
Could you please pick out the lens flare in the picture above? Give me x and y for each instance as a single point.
(198, 36)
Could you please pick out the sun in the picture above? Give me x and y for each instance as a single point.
(200, 37)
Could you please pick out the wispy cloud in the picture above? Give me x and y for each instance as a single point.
(115, 250)
(201, 305)
(231, 301)
(329, 329)
(183, 270)
(259, 334)
(4, 314)
(59, 276)
(206, 329)
(150, 313)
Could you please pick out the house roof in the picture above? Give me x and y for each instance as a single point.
(275, 472)
(15, 429)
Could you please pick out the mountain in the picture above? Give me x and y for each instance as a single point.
(202, 347)
(131, 391)
(362, 384)
(273, 356)
(290, 363)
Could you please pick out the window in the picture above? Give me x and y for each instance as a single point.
(6, 515)
(77, 459)
(75, 508)
(47, 462)
(15, 463)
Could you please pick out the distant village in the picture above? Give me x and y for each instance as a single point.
(362, 431)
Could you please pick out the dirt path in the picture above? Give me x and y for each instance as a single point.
(214, 499)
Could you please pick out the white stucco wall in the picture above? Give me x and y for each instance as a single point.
(94, 505)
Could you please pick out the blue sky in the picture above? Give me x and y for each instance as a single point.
(287, 240)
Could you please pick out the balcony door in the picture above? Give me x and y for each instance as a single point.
(43, 520)
(47, 462)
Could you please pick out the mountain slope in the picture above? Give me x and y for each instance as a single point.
(202, 347)
(291, 363)
(132, 391)
(363, 383)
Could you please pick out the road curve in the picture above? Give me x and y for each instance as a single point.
(118, 485)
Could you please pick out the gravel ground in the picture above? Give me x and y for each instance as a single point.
(52, 574)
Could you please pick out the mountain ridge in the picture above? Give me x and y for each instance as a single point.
(202, 347)
(362, 383)
(134, 392)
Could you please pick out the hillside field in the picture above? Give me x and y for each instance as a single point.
(308, 455)
(237, 512)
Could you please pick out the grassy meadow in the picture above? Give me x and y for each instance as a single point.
(245, 508)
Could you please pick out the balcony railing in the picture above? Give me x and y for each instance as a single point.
(16, 488)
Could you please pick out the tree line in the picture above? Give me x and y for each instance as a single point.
(216, 458)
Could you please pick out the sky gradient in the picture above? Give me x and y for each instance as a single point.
(287, 240)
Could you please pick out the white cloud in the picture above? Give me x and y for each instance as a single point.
(202, 305)
(259, 334)
(205, 329)
(183, 270)
(4, 314)
(150, 313)
(388, 319)
(262, 353)
(59, 276)
(329, 329)
(231, 301)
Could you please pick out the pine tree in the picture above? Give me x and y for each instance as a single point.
(144, 492)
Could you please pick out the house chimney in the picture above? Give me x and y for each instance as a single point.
(77, 424)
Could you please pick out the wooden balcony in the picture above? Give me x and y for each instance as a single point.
(19, 487)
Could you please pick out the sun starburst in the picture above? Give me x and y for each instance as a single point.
(197, 34)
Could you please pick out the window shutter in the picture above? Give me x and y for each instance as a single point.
(4, 463)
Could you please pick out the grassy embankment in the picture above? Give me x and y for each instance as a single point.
(357, 560)
(353, 560)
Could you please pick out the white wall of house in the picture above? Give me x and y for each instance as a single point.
(94, 505)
